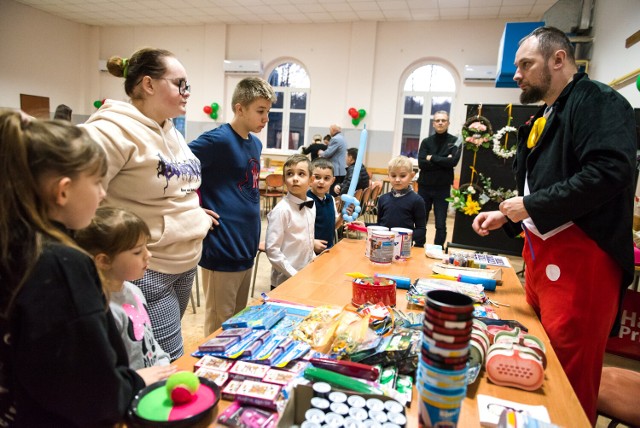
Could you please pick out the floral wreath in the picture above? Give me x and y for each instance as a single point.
(497, 195)
(462, 198)
(498, 149)
(476, 132)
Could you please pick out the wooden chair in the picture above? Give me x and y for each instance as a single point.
(274, 189)
(619, 390)
(366, 195)
(358, 195)
(371, 208)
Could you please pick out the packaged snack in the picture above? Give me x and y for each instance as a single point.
(214, 363)
(258, 393)
(318, 327)
(216, 376)
(351, 331)
(242, 370)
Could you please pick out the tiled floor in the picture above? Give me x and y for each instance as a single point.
(192, 322)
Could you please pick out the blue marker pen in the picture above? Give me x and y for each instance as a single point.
(402, 282)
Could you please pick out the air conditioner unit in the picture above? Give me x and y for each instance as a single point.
(479, 73)
(242, 66)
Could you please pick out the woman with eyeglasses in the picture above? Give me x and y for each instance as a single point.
(153, 173)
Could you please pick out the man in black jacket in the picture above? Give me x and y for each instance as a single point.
(437, 156)
(574, 168)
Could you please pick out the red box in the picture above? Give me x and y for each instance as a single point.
(363, 293)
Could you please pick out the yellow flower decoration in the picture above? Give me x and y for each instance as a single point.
(536, 131)
(471, 207)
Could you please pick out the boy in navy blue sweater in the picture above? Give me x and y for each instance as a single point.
(402, 207)
(230, 158)
(322, 171)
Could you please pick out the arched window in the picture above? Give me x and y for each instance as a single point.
(428, 89)
(288, 115)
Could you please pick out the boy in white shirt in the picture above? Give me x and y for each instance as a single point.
(290, 229)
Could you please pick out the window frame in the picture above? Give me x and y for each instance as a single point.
(427, 115)
(286, 111)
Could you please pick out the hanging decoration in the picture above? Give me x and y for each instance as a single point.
(462, 198)
(211, 110)
(496, 195)
(476, 133)
(98, 103)
(356, 115)
(500, 150)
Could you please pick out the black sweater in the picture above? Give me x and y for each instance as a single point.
(406, 211)
(437, 173)
(67, 364)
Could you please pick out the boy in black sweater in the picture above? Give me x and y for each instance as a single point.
(322, 172)
(402, 207)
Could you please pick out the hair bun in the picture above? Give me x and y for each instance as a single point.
(116, 66)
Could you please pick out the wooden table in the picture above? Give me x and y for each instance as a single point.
(324, 282)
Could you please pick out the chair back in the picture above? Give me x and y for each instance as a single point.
(274, 182)
(377, 188)
(365, 198)
(358, 195)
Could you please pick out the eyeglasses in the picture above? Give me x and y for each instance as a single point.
(180, 83)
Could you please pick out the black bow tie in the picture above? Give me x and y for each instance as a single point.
(308, 204)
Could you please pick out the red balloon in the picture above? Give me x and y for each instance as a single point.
(353, 113)
(207, 109)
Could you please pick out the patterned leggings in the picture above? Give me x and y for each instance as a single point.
(167, 297)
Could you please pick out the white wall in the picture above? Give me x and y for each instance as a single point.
(42, 55)
(360, 65)
(614, 22)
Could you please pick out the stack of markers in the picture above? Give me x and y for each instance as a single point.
(336, 409)
(442, 370)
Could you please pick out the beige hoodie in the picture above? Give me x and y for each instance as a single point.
(153, 173)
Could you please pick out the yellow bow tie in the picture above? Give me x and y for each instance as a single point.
(536, 131)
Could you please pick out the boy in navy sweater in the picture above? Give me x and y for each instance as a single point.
(402, 207)
(230, 158)
(322, 172)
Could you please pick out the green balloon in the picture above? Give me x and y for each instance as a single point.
(97, 103)
(638, 82)
(215, 106)
(214, 115)
(355, 121)
(362, 113)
